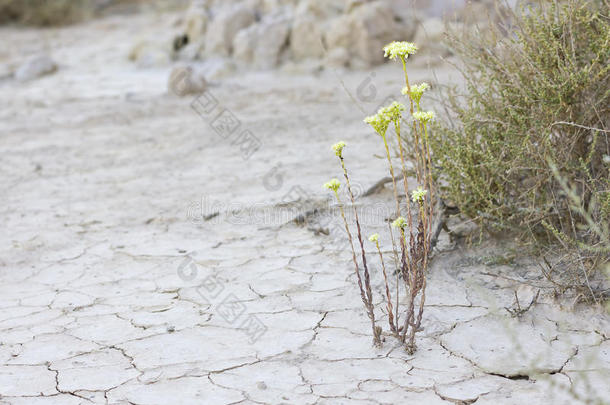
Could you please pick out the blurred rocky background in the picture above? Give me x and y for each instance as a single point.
(210, 39)
(224, 36)
(264, 34)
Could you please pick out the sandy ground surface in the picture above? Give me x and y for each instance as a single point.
(148, 257)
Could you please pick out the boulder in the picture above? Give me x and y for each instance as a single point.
(225, 26)
(215, 4)
(339, 32)
(261, 44)
(196, 21)
(147, 54)
(321, 9)
(373, 27)
(266, 33)
(337, 58)
(306, 38)
(35, 67)
(269, 7)
(272, 36)
(185, 80)
(244, 43)
(366, 29)
(216, 68)
(6, 71)
(190, 52)
(352, 4)
(430, 39)
(430, 30)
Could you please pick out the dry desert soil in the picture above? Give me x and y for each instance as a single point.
(150, 254)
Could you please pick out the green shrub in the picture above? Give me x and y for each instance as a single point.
(43, 12)
(537, 98)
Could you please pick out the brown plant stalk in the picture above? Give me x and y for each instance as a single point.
(393, 326)
(367, 278)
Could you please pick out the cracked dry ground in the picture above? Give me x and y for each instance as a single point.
(109, 183)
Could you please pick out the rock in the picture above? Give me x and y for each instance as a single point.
(147, 54)
(430, 30)
(337, 57)
(480, 12)
(196, 21)
(184, 80)
(152, 57)
(180, 41)
(351, 4)
(224, 27)
(271, 39)
(306, 67)
(244, 43)
(35, 67)
(256, 31)
(339, 33)
(306, 38)
(321, 9)
(6, 71)
(190, 52)
(275, 6)
(406, 12)
(136, 50)
(430, 36)
(262, 43)
(215, 68)
(365, 30)
(373, 27)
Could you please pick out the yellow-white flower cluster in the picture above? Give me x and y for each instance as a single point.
(384, 116)
(399, 222)
(393, 111)
(418, 194)
(338, 148)
(374, 237)
(424, 117)
(399, 49)
(417, 91)
(379, 122)
(333, 185)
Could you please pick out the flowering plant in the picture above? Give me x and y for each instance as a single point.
(415, 230)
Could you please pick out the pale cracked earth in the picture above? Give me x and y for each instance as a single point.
(144, 261)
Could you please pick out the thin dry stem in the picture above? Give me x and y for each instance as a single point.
(367, 278)
(393, 327)
(351, 243)
(394, 188)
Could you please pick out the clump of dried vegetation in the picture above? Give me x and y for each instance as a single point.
(527, 150)
(414, 233)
